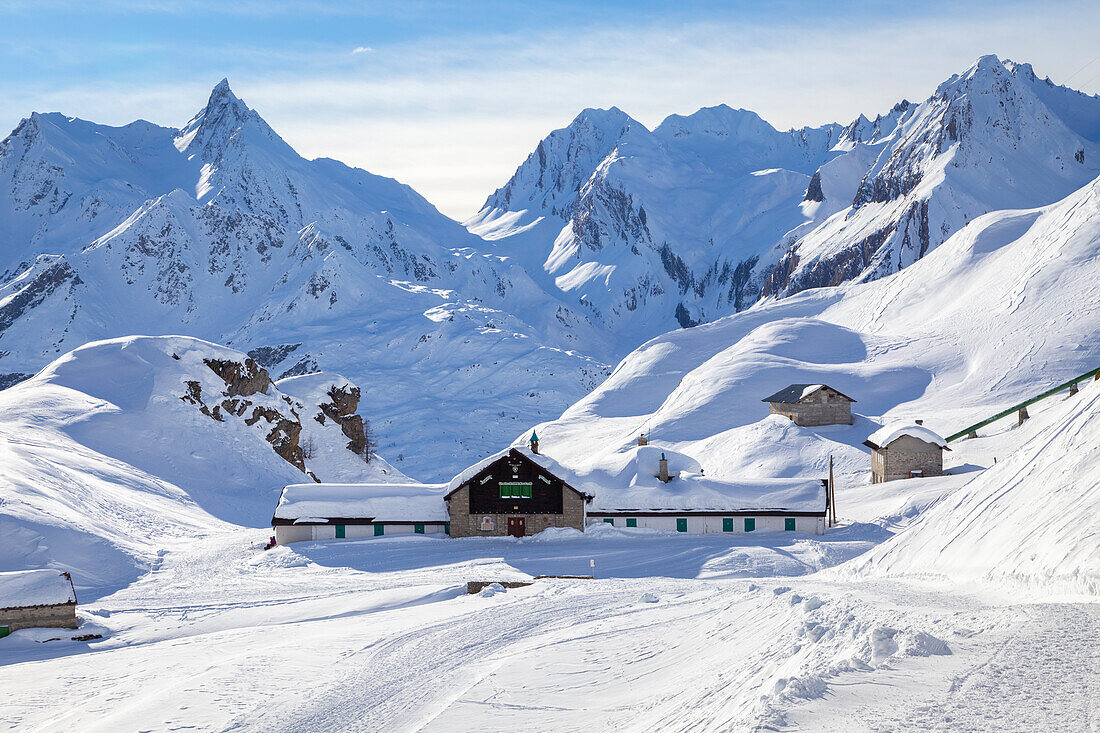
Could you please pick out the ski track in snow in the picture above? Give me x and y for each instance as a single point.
(221, 636)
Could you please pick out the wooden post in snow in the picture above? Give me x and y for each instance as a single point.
(832, 494)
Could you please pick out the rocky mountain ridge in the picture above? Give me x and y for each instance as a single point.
(607, 235)
(220, 230)
(712, 212)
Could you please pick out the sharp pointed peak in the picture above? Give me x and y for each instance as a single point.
(221, 95)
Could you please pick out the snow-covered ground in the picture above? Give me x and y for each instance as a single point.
(675, 632)
(377, 635)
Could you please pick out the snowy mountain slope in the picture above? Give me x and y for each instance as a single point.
(1005, 308)
(119, 448)
(711, 212)
(1029, 522)
(647, 229)
(220, 230)
(995, 137)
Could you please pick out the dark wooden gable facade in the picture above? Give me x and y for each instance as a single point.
(515, 484)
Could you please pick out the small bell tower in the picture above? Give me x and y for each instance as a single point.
(534, 442)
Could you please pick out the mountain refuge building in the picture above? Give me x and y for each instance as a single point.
(517, 492)
(520, 492)
(36, 598)
(905, 450)
(667, 490)
(810, 405)
(354, 511)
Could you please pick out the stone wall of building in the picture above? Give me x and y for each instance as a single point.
(463, 524)
(821, 408)
(904, 455)
(61, 615)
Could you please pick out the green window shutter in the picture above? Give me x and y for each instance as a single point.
(447, 529)
(515, 490)
(609, 520)
(418, 528)
(632, 522)
(4, 631)
(339, 531)
(379, 530)
(681, 525)
(727, 524)
(788, 524)
(750, 524)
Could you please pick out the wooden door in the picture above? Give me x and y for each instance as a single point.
(517, 526)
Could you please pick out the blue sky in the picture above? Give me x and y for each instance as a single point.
(451, 96)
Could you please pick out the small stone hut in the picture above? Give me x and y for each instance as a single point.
(905, 450)
(36, 598)
(516, 492)
(810, 405)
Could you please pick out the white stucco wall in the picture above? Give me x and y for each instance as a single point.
(286, 534)
(708, 525)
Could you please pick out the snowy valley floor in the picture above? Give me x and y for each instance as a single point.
(675, 633)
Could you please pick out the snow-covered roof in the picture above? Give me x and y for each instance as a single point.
(35, 588)
(887, 434)
(637, 488)
(316, 503)
(796, 392)
(545, 461)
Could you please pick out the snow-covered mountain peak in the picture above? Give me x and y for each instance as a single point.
(718, 121)
(224, 118)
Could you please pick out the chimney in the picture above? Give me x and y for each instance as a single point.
(919, 422)
(642, 440)
(534, 442)
(662, 469)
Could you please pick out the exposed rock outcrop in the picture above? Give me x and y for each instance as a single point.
(241, 379)
(244, 379)
(342, 410)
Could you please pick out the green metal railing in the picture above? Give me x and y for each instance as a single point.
(1071, 385)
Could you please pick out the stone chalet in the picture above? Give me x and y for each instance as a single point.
(36, 598)
(905, 450)
(516, 492)
(810, 405)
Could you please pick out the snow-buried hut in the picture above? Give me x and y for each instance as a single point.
(353, 511)
(689, 501)
(905, 450)
(34, 598)
(811, 405)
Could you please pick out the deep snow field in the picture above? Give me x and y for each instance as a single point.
(675, 632)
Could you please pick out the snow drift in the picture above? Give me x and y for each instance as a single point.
(1029, 522)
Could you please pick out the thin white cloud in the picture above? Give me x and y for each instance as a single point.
(361, 49)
